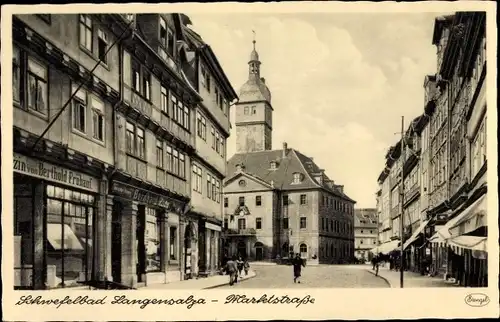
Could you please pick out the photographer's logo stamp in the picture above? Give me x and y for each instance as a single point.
(477, 299)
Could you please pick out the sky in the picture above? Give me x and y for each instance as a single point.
(339, 82)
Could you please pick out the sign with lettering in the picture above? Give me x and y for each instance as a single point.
(146, 197)
(50, 172)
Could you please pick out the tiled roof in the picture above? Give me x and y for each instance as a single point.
(367, 214)
(258, 164)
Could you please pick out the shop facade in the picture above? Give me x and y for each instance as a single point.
(209, 246)
(58, 225)
(147, 229)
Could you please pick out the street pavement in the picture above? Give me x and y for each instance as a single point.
(321, 276)
(410, 279)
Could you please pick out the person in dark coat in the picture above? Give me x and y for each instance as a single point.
(239, 264)
(232, 270)
(297, 263)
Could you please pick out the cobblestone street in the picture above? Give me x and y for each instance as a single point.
(322, 276)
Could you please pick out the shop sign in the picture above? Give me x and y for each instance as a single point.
(145, 197)
(212, 226)
(50, 172)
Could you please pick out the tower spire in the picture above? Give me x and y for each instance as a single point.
(253, 41)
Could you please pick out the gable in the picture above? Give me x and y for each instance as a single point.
(244, 183)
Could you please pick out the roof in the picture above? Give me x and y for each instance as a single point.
(369, 215)
(253, 90)
(258, 164)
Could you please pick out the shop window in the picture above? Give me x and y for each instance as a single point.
(70, 237)
(23, 236)
(153, 238)
(173, 242)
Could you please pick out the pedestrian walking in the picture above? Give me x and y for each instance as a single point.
(246, 267)
(232, 270)
(239, 264)
(297, 263)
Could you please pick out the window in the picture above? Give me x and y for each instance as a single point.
(297, 177)
(135, 143)
(209, 186)
(159, 154)
(136, 76)
(226, 223)
(285, 223)
(141, 144)
(16, 74)
(164, 100)
(303, 222)
(175, 107)
(153, 238)
(163, 33)
(225, 106)
(361, 241)
(170, 160)
(173, 243)
(37, 86)
(303, 249)
(182, 165)
(246, 110)
(79, 110)
(175, 154)
(217, 96)
(97, 119)
(285, 200)
(258, 223)
(217, 190)
(146, 84)
(226, 202)
(170, 42)
(70, 235)
(254, 110)
(205, 78)
(217, 145)
(197, 178)
(86, 32)
(222, 144)
(185, 124)
(258, 200)
(331, 225)
(213, 137)
(201, 126)
(214, 190)
(242, 223)
(303, 199)
(102, 46)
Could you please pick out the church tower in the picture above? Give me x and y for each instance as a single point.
(254, 113)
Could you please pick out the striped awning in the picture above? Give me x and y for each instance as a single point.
(474, 217)
(478, 245)
(386, 248)
(415, 234)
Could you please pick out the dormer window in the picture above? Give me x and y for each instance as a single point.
(297, 177)
(273, 165)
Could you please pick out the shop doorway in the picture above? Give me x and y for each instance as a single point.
(188, 236)
(141, 244)
(242, 249)
(116, 243)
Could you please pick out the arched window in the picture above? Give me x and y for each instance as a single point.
(303, 248)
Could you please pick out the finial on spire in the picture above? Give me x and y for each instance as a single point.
(253, 31)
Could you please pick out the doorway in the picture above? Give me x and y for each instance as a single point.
(187, 251)
(242, 249)
(116, 243)
(259, 251)
(141, 244)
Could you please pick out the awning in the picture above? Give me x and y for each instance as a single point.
(386, 248)
(415, 234)
(478, 245)
(444, 233)
(474, 217)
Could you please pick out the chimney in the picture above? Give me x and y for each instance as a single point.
(263, 80)
(285, 149)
